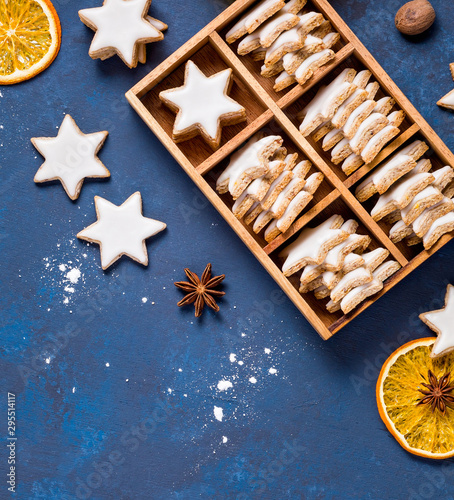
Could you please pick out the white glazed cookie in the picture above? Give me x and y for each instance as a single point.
(440, 321)
(247, 164)
(447, 101)
(254, 18)
(122, 27)
(70, 157)
(440, 227)
(121, 230)
(203, 106)
(313, 244)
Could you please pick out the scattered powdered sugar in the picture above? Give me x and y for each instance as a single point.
(218, 413)
(273, 371)
(267, 351)
(223, 385)
(232, 357)
(73, 275)
(253, 380)
(144, 300)
(224, 439)
(63, 275)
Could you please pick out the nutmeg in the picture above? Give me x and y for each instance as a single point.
(415, 17)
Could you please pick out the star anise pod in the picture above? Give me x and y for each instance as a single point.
(200, 290)
(439, 393)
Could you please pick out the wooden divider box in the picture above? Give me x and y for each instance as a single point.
(277, 112)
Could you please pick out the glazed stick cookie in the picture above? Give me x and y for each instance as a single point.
(393, 169)
(311, 64)
(327, 101)
(254, 18)
(292, 60)
(248, 163)
(380, 272)
(268, 32)
(399, 231)
(335, 256)
(422, 224)
(293, 39)
(401, 194)
(278, 193)
(294, 208)
(443, 176)
(351, 280)
(427, 198)
(374, 258)
(359, 294)
(278, 202)
(378, 142)
(328, 279)
(257, 189)
(312, 245)
(441, 226)
(357, 117)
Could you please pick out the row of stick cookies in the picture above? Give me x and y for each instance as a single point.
(334, 264)
(413, 197)
(292, 43)
(269, 185)
(352, 124)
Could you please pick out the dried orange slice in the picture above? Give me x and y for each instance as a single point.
(30, 38)
(410, 387)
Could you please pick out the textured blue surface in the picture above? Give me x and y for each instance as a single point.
(134, 383)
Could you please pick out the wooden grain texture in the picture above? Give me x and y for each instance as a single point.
(277, 111)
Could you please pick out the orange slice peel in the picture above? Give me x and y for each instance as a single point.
(30, 38)
(419, 428)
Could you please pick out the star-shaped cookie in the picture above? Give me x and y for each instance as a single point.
(202, 105)
(122, 27)
(121, 230)
(441, 321)
(70, 157)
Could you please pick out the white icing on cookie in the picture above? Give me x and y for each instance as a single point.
(322, 102)
(441, 221)
(425, 193)
(441, 322)
(250, 17)
(120, 25)
(308, 62)
(398, 191)
(202, 100)
(266, 29)
(447, 100)
(245, 158)
(309, 243)
(121, 230)
(70, 157)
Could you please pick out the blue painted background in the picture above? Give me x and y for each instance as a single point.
(123, 408)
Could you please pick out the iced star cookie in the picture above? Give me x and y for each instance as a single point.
(121, 230)
(70, 157)
(440, 321)
(203, 105)
(122, 27)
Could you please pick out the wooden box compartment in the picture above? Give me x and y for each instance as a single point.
(209, 62)
(254, 67)
(266, 108)
(322, 196)
(410, 252)
(293, 109)
(337, 207)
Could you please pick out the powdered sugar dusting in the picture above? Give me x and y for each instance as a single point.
(218, 413)
(223, 385)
